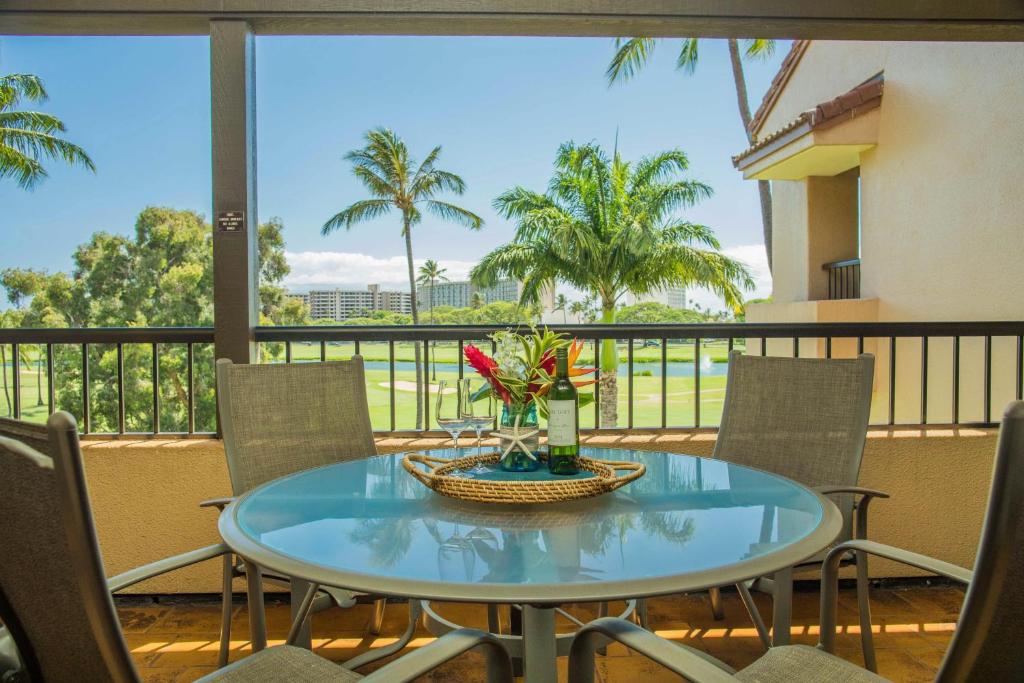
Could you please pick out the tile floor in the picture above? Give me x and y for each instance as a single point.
(177, 639)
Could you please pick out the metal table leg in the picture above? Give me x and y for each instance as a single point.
(257, 613)
(299, 588)
(782, 607)
(539, 649)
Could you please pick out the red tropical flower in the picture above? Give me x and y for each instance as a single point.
(485, 366)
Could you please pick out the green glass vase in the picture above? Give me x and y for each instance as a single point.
(521, 417)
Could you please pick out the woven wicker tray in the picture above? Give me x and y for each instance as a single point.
(437, 476)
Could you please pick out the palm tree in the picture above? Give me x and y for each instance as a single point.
(396, 181)
(561, 304)
(28, 137)
(608, 227)
(580, 309)
(631, 55)
(430, 273)
(477, 301)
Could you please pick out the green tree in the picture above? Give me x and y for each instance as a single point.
(396, 182)
(654, 312)
(161, 276)
(430, 273)
(583, 310)
(20, 285)
(27, 138)
(633, 54)
(477, 300)
(607, 227)
(561, 304)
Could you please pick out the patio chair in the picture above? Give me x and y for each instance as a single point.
(806, 419)
(279, 419)
(30, 434)
(987, 643)
(55, 600)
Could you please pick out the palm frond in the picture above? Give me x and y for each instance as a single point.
(26, 171)
(14, 87)
(427, 185)
(364, 210)
(31, 120)
(688, 55)
(659, 167)
(630, 56)
(37, 145)
(759, 48)
(455, 214)
(374, 182)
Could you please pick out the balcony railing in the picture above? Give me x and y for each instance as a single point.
(138, 381)
(843, 279)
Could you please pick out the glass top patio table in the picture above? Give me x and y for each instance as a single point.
(689, 523)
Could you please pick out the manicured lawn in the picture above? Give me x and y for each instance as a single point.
(646, 388)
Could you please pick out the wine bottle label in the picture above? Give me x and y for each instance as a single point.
(562, 423)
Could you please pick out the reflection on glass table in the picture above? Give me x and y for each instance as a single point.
(687, 524)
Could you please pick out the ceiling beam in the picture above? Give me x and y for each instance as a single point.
(1001, 20)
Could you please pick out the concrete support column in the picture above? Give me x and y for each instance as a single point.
(235, 225)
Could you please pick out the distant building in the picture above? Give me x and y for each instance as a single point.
(341, 304)
(459, 294)
(673, 297)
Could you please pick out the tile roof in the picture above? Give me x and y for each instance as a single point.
(852, 103)
(796, 51)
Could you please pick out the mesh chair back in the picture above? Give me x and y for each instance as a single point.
(280, 419)
(53, 591)
(989, 641)
(803, 418)
(32, 435)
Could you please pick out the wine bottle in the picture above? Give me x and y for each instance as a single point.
(563, 422)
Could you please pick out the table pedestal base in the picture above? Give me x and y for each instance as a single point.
(538, 624)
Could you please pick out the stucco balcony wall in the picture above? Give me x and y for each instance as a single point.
(145, 494)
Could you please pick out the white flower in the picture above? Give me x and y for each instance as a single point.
(506, 354)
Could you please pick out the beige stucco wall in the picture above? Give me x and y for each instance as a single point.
(942, 214)
(145, 495)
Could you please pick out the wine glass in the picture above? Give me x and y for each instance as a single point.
(447, 412)
(477, 414)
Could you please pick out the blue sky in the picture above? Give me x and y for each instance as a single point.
(499, 107)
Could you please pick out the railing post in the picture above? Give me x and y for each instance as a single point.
(235, 226)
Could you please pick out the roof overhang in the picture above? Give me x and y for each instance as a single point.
(802, 151)
(823, 141)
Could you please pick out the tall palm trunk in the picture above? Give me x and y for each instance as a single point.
(39, 375)
(609, 371)
(764, 189)
(407, 232)
(3, 371)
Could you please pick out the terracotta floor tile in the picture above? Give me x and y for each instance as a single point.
(139, 619)
(177, 641)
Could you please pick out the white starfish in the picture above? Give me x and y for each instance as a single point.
(516, 438)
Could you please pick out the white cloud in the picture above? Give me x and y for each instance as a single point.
(754, 257)
(312, 269)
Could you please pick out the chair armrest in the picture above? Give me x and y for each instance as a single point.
(867, 495)
(830, 577)
(689, 663)
(169, 564)
(859, 490)
(219, 503)
(449, 646)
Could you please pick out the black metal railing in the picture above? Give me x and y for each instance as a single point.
(161, 380)
(843, 279)
(114, 380)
